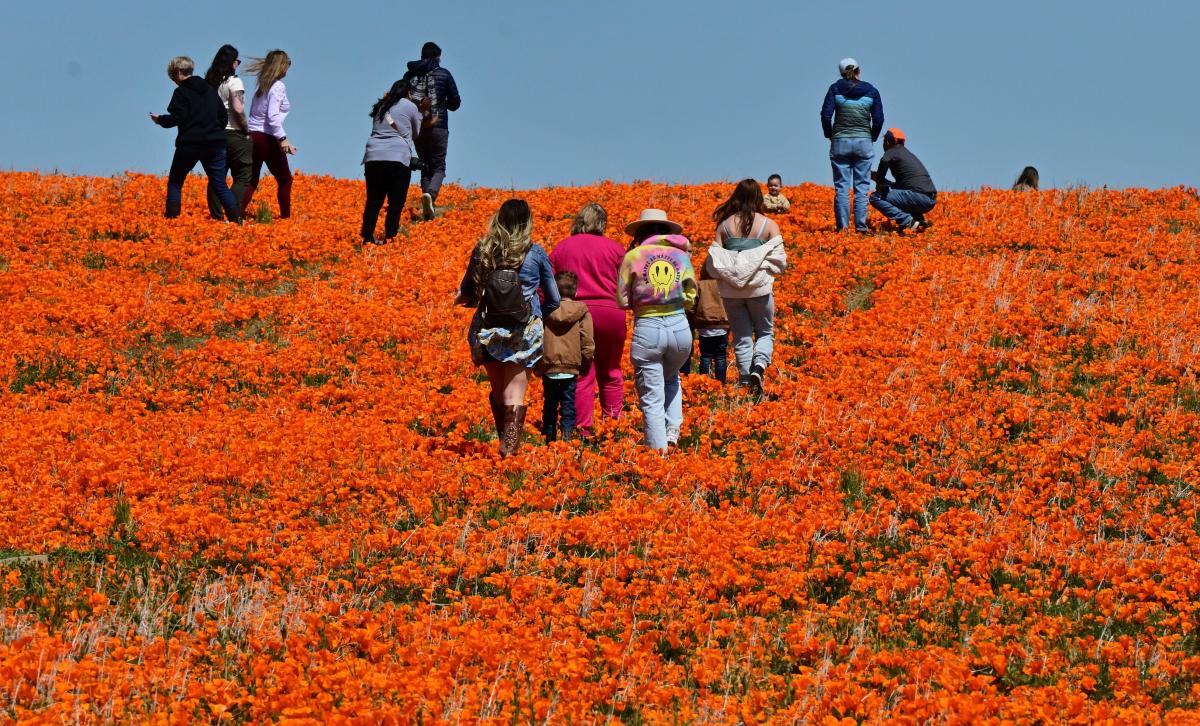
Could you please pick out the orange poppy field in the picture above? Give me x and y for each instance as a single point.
(248, 474)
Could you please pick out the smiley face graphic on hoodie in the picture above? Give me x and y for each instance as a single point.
(657, 278)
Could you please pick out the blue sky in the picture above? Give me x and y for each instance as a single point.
(567, 91)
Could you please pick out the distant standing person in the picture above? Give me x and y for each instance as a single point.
(197, 111)
(268, 111)
(239, 152)
(658, 283)
(774, 201)
(395, 122)
(595, 260)
(905, 200)
(1027, 181)
(745, 260)
(506, 332)
(431, 81)
(852, 118)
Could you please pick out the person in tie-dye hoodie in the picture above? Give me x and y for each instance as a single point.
(658, 283)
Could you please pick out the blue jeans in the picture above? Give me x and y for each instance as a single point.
(558, 395)
(657, 350)
(753, 322)
(213, 161)
(901, 205)
(851, 160)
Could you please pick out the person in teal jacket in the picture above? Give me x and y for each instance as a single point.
(852, 119)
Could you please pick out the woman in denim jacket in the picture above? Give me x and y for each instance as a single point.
(508, 353)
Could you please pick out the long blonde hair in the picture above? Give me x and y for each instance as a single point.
(268, 70)
(508, 239)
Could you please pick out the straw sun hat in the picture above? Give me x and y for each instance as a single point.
(652, 216)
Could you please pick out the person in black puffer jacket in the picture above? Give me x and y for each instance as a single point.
(196, 110)
(436, 94)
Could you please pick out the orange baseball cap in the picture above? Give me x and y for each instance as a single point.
(895, 134)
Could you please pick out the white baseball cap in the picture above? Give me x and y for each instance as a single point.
(847, 63)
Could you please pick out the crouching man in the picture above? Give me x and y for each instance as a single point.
(911, 194)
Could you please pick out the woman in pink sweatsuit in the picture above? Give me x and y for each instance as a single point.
(595, 259)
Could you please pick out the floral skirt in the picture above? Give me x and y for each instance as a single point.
(522, 346)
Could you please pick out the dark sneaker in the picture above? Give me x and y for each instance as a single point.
(756, 379)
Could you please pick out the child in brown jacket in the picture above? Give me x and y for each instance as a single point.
(711, 324)
(568, 347)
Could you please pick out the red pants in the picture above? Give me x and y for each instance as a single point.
(608, 324)
(266, 150)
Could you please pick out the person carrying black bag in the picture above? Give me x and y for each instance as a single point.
(434, 90)
(502, 281)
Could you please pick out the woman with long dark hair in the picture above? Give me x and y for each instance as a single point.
(745, 259)
(1027, 181)
(508, 345)
(239, 152)
(268, 111)
(395, 123)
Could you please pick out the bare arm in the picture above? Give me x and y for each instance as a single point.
(772, 229)
(237, 104)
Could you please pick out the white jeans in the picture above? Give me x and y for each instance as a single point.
(658, 349)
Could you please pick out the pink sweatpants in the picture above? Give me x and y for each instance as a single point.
(608, 325)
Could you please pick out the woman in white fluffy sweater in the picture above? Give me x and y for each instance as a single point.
(745, 260)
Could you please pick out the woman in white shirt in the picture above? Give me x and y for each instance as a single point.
(239, 152)
(268, 111)
(387, 161)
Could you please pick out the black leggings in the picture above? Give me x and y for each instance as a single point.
(385, 180)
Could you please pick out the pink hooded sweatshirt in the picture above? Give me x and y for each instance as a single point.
(656, 277)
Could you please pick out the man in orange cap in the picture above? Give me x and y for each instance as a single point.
(906, 199)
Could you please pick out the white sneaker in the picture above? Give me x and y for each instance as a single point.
(672, 437)
(427, 206)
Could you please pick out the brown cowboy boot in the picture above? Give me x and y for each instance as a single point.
(497, 404)
(511, 429)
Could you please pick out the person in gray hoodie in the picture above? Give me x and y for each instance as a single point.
(197, 111)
